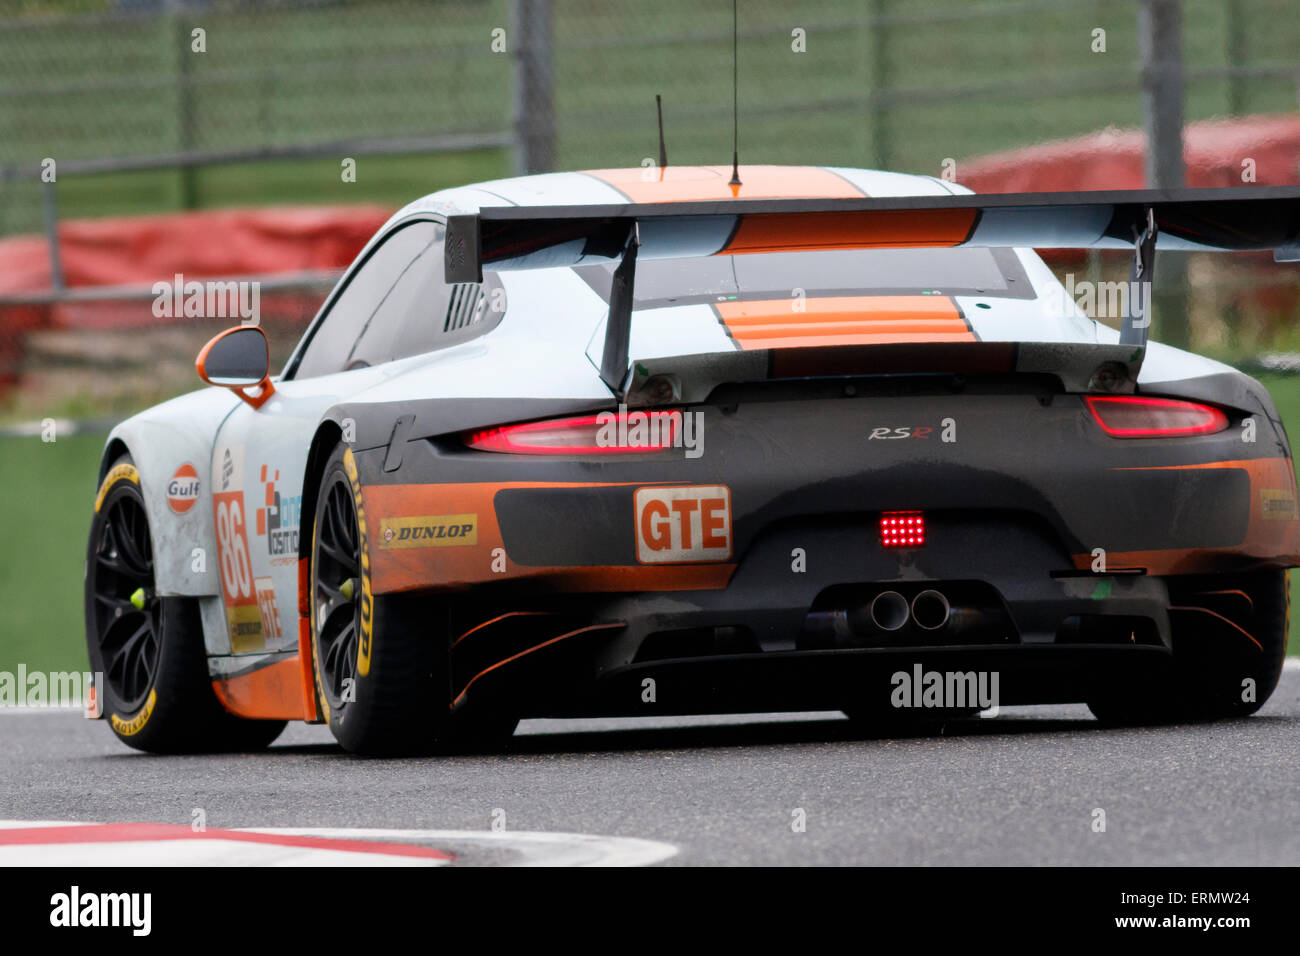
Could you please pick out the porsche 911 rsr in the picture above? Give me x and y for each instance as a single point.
(632, 442)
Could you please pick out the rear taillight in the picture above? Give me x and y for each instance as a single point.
(1127, 416)
(608, 433)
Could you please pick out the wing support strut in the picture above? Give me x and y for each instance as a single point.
(618, 327)
(1137, 312)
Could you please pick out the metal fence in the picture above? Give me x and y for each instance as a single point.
(138, 86)
(188, 84)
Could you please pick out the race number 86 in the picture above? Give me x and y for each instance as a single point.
(232, 547)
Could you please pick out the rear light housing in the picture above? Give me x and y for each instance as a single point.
(902, 529)
(606, 433)
(1131, 416)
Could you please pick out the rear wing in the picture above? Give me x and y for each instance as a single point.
(1241, 219)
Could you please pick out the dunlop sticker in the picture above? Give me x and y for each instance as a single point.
(428, 531)
(245, 625)
(1277, 503)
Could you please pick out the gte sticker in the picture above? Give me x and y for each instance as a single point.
(429, 531)
(675, 525)
(1277, 503)
(183, 489)
(267, 608)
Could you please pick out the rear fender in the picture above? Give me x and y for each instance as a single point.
(1232, 389)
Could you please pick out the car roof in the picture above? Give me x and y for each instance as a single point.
(678, 184)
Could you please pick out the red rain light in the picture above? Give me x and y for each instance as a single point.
(902, 529)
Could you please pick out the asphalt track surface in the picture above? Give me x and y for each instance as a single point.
(1020, 788)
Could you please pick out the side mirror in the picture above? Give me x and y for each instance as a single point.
(238, 359)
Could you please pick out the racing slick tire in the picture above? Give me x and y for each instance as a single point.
(1229, 643)
(379, 662)
(156, 692)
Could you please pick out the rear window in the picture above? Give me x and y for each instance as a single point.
(775, 275)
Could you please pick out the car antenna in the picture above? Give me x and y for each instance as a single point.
(663, 152)
(735, 110)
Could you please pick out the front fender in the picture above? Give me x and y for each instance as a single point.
(161, 440)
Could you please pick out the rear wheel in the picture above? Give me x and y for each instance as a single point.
(380, 661)
(1229, 641)
(155, 689)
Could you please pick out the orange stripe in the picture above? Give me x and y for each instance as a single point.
(837, 340)
(274, 692)
(844, 320)
(760, 330)
(304, 638)
(538, 647)
(1234, 591)
(307, 678)
(687, 183)
(499, 617)
(304, 585)
(811, 231)
(1237, 627)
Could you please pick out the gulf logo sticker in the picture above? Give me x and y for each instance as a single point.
(183, 489)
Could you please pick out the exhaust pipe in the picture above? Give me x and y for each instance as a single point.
(930, 610)
(889, 610)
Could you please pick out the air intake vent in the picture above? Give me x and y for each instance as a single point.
(467, 305)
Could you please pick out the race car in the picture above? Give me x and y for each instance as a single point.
(703, 440)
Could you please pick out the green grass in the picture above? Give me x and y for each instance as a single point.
(49, 490)
(48, 498)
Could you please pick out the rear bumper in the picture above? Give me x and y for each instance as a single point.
(755, 644)
(763, 643)
(1026, 501)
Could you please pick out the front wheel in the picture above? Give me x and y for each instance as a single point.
(149, 649)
